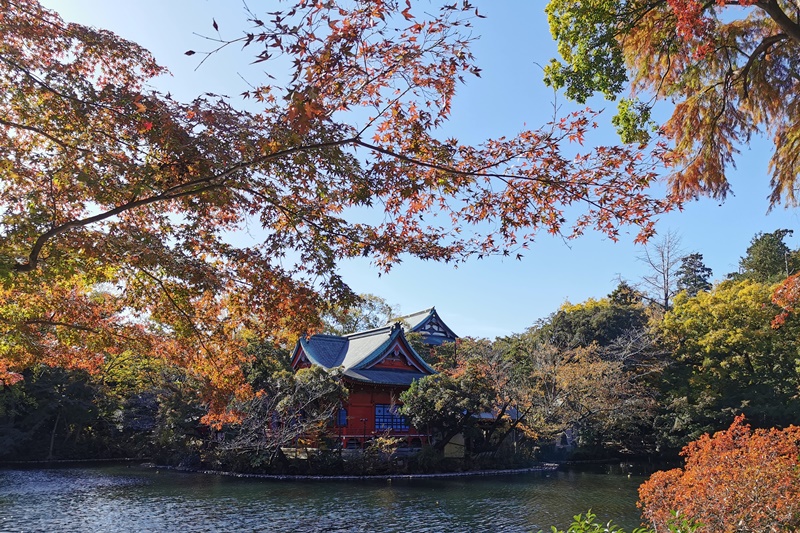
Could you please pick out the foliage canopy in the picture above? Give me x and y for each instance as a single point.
(729, 360)
(117, 202)
(730, 67)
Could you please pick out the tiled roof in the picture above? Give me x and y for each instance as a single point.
(429, 324)
(325, 350)
(366, 346)
(415, 319)
(357, 351)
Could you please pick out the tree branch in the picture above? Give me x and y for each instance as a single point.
(43, 133)
(189, 188)
(759, 50)
(790, 27)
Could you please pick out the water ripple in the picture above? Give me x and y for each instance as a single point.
(131, 500)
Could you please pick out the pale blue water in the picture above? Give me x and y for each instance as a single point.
(133, 499)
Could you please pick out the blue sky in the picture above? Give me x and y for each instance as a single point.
(489, 297)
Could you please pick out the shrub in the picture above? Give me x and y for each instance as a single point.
(738, 480)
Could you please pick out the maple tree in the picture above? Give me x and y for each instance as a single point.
(735, 480)
(729, 66)
(117, 202)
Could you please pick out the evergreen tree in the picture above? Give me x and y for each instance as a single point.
(624, 294)
(693, 275)
(768, 258)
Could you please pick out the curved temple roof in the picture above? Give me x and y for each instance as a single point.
(428, 322)
(358, 353)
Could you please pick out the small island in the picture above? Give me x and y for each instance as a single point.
(193, 264)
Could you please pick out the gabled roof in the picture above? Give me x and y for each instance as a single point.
(358, 352)
(430, 325)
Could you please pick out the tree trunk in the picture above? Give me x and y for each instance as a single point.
(53, 436)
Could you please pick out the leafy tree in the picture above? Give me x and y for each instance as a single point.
(177, 435)
(267, 358)
(730, 66)
(728, 360)
(786, 296)
(449, 402)
(53, 415)
(595, 365)
(441, 357)
(768, 258)
(737, 480)
(599, 394)
(479, 392)
(624, 294)
(693, 275)
(290, 408)
(117, 202)
(368, 312)
(596, 321)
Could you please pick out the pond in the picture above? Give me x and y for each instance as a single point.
(134, 499)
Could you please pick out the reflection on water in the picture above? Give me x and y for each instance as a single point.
(132, 500)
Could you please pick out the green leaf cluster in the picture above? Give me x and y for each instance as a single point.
(586, 33)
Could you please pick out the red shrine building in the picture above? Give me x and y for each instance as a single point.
(378, 365)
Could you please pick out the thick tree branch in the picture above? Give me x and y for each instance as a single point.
(757, 52)
(790, 27)
(190, 188)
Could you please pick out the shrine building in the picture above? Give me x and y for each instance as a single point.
(378, 365)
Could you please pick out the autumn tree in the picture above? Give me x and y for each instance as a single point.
(368, 312)
(595, 365)
(735, 480)
(786, 296)
(727, 359)
(601, 393)
(479, 394)
(693, 275)
(117, 202)
(729, 66)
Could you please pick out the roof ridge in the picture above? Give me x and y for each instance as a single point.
(327, 335)
(368, 332)
(424, 311)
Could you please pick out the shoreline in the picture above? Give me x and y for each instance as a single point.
(69, 462)
(545, 467)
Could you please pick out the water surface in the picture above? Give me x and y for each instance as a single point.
(133, 499)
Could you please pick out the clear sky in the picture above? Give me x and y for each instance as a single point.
(482, 298)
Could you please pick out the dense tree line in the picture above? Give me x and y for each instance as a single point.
(606, 376)
(131, 326)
